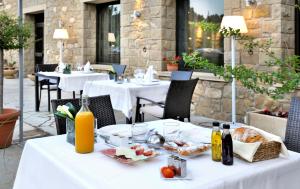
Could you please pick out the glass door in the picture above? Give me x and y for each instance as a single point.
(108, 33)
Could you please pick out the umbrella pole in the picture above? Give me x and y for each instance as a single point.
(233, 83)
(21, 75)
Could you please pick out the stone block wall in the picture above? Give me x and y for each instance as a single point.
(146, 40)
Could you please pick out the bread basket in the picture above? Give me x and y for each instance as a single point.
(267, 150)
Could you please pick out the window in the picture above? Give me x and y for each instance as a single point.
(108, 33)
(297, 31)
(197, 27)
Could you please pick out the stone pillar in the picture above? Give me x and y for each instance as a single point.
(147, 39)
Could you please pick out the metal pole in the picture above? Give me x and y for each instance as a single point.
(21, 74)
(233, 83)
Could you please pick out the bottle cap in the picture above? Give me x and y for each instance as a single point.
(216, 124)
(226, 126)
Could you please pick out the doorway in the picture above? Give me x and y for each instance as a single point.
(39, 39)
(108, 33)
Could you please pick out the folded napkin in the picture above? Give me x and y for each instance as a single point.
(248, 150)
(61, 67)
(87, 67)
(149, 74)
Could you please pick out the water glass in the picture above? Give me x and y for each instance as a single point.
(70, 130)
(139, 131)
(170, 130)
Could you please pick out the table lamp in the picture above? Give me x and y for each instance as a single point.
(234, 22)
(61, 34)
(111, 38)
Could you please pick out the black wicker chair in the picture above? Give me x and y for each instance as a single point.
(181, 75)
(119, 69)
(100, 106)
(292, 136)
(46, 84)
(177, 104)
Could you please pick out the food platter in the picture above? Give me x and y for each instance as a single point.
(185, 149)
(130, 155)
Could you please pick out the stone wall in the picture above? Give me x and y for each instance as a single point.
(146, 40)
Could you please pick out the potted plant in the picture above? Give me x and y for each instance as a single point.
(12, 36)
(172, 63)
(10, 70)
(275, 84)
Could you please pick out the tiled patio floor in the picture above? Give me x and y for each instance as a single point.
(36, 124)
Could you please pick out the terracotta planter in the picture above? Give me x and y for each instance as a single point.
(271, 124)
(172, 67)
(10, 73)
(7, 124)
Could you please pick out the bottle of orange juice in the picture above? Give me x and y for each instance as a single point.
(84, 129)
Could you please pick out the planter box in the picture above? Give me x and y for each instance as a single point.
(271, 124)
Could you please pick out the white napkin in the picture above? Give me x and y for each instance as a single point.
(149, 74)
(61, 67)
(247, 150)
(87, 67)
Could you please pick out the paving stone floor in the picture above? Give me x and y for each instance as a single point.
(36, 124)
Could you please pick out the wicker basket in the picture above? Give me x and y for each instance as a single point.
(267, 150)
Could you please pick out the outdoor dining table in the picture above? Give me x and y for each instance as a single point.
(67, 82)
(51, 162)
(123, 95)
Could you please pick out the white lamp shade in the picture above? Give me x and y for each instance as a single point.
(111, 37)
(60, 34)
(234, 22)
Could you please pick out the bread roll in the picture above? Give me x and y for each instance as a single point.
(247, 135)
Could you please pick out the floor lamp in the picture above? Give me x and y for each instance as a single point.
(61, 34)
(234, 22)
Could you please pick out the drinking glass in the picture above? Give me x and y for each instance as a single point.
(79, 66)
(170, 130)
(95, 130)
(139, 75)
(138, 132)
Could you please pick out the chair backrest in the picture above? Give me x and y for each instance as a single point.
(46, 67)
(119, 69)
(292, 135)
(181, 75)
(100, 106)
(179, 98)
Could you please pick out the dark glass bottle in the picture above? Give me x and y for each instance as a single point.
(227, 149)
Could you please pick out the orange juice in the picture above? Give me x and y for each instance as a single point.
(84, 130)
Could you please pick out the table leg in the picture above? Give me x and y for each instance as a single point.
(37, 100)
(58, 90)
(128, 120)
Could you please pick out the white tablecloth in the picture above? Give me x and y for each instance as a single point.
(76, 80)
(123, 96)
(51, 162)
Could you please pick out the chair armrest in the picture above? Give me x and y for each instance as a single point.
(153, 102)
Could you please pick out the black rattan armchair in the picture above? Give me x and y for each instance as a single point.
(177, 104)
(119, 69)
(100, 106)
(292, 136)
(181, 75)
(46, 84)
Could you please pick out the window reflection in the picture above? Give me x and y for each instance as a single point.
(108, 33)
(198, 23)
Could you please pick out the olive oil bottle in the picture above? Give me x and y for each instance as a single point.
(216, 142)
